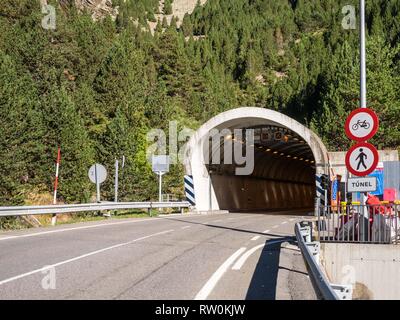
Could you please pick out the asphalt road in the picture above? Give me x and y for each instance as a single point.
(219, 256)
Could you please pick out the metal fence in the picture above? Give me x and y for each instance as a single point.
(359, 223)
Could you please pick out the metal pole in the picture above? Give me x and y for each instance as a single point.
(363, 73)
(363, 95)
(97, 184)
(116, 182)
(210, 191)
(159, 187)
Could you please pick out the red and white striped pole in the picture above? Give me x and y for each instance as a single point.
(54, 217)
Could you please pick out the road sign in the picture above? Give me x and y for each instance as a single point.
(361, 124)
(97, 173)
(160, 163)
(362, 159)
(368, 184)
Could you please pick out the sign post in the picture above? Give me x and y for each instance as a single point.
(160, 166)
(97, 174)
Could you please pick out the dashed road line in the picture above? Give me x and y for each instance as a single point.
(23, 275)
(255, 238)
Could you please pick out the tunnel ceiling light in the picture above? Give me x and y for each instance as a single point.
(275, 152)
(282, 154)
(307, 160)
(295, 158)
(268, 150)
(311, 161)
(301, 159)
(289, 156)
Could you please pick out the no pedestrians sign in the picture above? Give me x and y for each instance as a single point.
(362, 159)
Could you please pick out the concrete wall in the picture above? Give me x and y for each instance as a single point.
(374, 270)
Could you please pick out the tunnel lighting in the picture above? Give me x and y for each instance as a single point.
(307, 160)
(275, 152)
(282, 154)
(301, 159)
(311, 161)
(268, 150)
(295, 158)
(289, 156)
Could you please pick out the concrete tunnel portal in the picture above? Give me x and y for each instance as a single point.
(286, 154)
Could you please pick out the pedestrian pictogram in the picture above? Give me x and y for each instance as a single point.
(362, 159)
(362, 124)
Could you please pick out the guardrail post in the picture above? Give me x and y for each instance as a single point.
(306, 233)
(315, 248)
(343, 291)
(149, 210)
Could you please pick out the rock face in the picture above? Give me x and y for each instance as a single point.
(98, 8)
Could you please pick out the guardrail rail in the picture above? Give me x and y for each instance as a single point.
(74, 208)
(310, 251)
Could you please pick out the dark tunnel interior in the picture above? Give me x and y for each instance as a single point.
(283, 176)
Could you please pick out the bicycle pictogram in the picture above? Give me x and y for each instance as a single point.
(361, 124)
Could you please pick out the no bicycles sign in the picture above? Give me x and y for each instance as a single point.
(361, 124)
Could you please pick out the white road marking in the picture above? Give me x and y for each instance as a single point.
(292, 219)
(81, 257)
(84, 227)
(284, 222)
(242, 260)
(266, 231)
(274, 227)
(185, 227)
(255, 238)
(74, 229)
(212, 282)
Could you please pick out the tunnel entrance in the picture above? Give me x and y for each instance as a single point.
(283, 176)
(287, 155)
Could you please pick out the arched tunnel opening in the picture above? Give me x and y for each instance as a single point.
(283, 175)
(287, 157)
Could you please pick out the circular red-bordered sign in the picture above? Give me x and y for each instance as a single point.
(362, 159)
(362, 124)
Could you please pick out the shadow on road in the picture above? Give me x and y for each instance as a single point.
(225, 228)
(263, 285)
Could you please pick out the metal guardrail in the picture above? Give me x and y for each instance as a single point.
(310, 251)
(359, 223)
(73, 208)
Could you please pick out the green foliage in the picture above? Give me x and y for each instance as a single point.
(97, 88)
